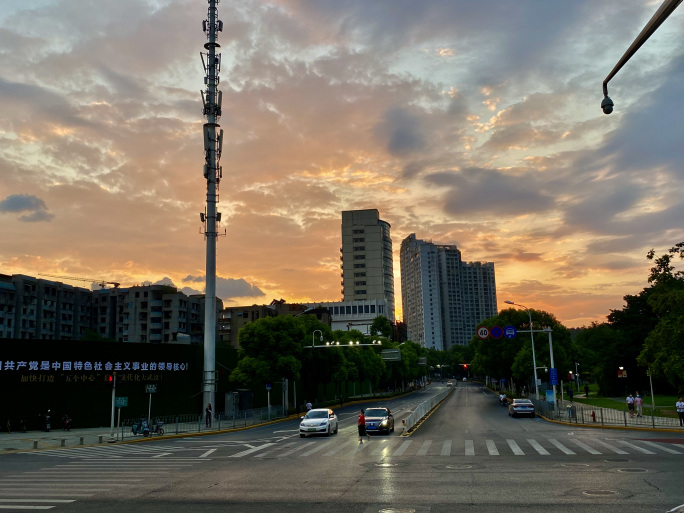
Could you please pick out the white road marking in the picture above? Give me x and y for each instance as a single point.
(635, 447)
(560, 446)
(446, 448)
(584, 446)
(315, 449)
(339, 448)
(515, 447)
(205, 454)
(491, 447)
(612, 448)
(402, 448)
(662, 448)
(469, 448)
(250, 451)
(424, 448)
(538, 447)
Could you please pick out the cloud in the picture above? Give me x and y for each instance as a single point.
(25, 202)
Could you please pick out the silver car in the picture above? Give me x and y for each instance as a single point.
(321, 421)
(378, 420)
(521, 407)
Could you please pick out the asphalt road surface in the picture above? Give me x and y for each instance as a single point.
(469, 455)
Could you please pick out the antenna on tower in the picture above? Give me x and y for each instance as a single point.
(212, 172)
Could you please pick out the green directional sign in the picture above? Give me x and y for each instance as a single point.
(121, 402)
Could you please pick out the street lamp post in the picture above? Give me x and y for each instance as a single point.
(534, 359)
(547, 330)
(577, 375)
(667, 7)
(313, 335)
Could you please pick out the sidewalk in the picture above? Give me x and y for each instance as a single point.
(20, 441)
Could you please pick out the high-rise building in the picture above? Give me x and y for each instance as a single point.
(367, 270)
(443, 298)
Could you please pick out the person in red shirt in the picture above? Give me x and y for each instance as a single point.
(362, 427)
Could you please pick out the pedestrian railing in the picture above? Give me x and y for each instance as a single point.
(577, 413)
(196, 423)
(424, 408)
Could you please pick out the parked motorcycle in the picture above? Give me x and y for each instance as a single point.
(66, 423)
(46, 421)
(145, 427)
(158, 427)
(135, 428)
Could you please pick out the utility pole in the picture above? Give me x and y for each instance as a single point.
(213, 142)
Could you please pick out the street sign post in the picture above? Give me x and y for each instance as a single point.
(483, 332)
(150, 389)
(496, 332)
(553, 374)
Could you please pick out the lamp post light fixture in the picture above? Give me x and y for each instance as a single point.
(352, 343)
(667, 7)
(534, 359)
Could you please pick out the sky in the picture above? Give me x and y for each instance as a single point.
(475, 123)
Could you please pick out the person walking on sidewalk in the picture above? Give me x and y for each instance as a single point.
(207, 414)
(638, 404)
(362, 428)
(630, 405)
(680, 411)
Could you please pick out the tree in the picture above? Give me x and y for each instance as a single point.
(381, 326)
(270, 348)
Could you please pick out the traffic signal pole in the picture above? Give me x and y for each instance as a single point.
(111, 434)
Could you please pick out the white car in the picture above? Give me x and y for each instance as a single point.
(321, 421)
(450, 383)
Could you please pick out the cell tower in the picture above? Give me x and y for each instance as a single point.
(213, 142)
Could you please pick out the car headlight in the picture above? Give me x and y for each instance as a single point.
(384, 422)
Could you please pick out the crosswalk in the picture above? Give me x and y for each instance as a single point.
(383, 447)
(401, 447)
(69, 482)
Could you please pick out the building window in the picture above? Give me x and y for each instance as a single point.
(359, 283)
(359, 292)
(359, 266)
(360, 239)
(359, 231)
(359, 248)
(359, 257)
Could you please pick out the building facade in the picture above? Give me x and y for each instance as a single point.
(33, 308)
(366, 254)
(443, 298)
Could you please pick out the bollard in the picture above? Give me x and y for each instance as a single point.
(63, 444)
(80, 441)
(100, 439)
(593, 416)
(35, 444)
(403, 425)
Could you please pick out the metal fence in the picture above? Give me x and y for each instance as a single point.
(424, 408)
(196, 423)
(577, 413)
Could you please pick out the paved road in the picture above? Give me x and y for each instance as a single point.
(469, 454)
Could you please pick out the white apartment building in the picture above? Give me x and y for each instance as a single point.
(443, 298)
(366, 254)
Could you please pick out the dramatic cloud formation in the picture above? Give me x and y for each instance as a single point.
(23, 203)
(474, 123)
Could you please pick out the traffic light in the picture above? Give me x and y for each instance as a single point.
(110, 379)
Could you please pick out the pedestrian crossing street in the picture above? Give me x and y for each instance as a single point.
(381, 447)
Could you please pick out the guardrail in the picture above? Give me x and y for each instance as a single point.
(576, 413)
(424, 408)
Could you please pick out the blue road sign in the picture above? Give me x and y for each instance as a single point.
(496, 332)
(553, 373)
(510, 332)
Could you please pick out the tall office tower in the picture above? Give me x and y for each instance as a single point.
(367, 271)
(443, 298)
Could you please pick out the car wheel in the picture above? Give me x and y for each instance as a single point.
(301, 435)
